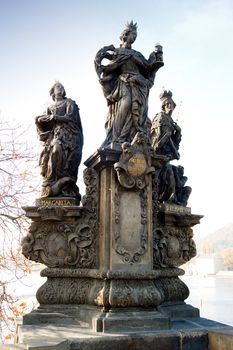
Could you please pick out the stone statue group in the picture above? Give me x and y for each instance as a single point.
(126, 81)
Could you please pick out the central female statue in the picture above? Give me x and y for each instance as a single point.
(126, 81)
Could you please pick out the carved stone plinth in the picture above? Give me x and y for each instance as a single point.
(100, 320)
(119, 251)
(55, 239)
(111, 289)
(173, 235)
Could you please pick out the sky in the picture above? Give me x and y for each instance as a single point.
(43, 41)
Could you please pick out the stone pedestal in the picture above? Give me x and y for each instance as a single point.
(115, 258)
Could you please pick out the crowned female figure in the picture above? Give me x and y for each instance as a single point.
(126, 81)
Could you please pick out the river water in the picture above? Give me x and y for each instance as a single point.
(213, 295)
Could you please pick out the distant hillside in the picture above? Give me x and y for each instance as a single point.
(216, 241)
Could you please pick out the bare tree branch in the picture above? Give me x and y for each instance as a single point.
(17, 183)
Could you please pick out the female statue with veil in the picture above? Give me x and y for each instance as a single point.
(126, 81)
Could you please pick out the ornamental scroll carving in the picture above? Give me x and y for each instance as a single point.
(172, 246)
(134, 164)
(128, 252)
(91, 208)
(155, 203)
(59, 240)
(59, 244)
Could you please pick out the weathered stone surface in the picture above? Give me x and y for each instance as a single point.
(197, 340)
(220, 339)
(136, 342)
(188, 334)
(179, 310)
(103, 288)
(41, 338)
(131, 320)
(119, 320)
(111, 291)
(79, 315)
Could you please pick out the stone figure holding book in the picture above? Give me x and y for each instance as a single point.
(60, 131)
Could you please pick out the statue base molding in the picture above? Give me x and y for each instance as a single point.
(114, 320)
(111, 289)
(58, 327)
(97, 319)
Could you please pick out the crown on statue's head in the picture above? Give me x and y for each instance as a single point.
(131, 26)
(165, 95)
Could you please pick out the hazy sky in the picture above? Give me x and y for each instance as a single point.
(43, 41)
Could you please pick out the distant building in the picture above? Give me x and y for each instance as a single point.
(209, 264)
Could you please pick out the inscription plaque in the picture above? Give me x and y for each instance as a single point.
(59, 202)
